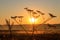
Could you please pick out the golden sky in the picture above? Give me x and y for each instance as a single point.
(10, 8)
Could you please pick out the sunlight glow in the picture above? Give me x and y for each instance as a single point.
(32, 20)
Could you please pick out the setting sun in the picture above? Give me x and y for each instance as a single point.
(32, 20)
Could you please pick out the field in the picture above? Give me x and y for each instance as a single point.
(46, 34)
(30, 37)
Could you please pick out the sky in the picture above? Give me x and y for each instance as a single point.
(10, 8)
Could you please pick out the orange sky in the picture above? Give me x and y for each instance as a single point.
(10, 8)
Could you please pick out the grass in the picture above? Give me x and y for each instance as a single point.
(51, 36)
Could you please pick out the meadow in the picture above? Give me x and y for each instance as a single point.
(21, 34)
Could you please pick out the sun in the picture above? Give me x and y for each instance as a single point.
(32, 20)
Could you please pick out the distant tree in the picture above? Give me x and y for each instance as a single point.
(51, 26)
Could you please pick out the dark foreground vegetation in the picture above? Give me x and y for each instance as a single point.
(53, 36)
